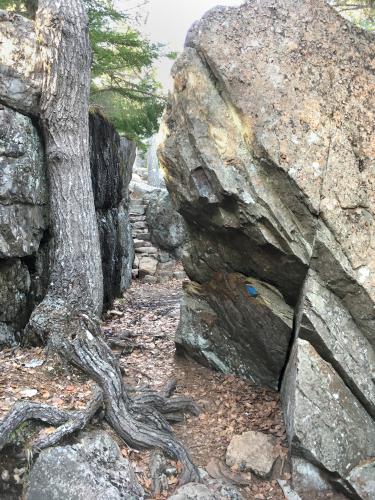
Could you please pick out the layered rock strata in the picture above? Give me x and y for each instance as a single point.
(269, 155)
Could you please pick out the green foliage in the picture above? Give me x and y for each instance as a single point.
(360, 12)
(123, 85)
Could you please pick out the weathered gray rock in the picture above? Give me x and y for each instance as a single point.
(23, 191)
(193, 491)
(22, 171)
(111, 249)
(20, 84)
(252, 451)
(92, 468)
(7, 335)
(167, 227)
(362, 479)
(14, 288)
(111, 162)
(147, 265)
(326, 323)
(21, 229)
(325, 422)
(126, 242)
(212, 489)
(269, 157)
(219, 316)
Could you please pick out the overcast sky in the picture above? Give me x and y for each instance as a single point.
(167, 21)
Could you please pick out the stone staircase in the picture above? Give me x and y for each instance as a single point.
(152, 264)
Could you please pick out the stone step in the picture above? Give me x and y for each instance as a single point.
(142, 236)
(136, 218)
(142, 243)
(137, 210)
(139, 225)
(147, 250)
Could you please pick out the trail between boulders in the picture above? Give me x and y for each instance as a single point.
(230, 405)
(140, 328)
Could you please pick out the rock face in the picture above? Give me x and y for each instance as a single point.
(92, 468)
(230, 322)
(269, 156)
(111, 161)
(24, 235)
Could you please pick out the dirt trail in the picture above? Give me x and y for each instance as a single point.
(140, 329)
(229, 405)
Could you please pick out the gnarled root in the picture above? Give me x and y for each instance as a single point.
(66, 422)
(141, 421)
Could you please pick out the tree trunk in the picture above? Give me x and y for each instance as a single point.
(65, 56)
(68, 316)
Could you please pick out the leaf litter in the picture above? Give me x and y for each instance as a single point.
(140, 328)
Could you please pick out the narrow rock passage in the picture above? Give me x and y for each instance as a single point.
(141, 330)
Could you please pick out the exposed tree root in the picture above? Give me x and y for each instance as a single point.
(66, 422)
(140, 420)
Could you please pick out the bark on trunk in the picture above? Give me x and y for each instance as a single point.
(68, 316)
(65, 56)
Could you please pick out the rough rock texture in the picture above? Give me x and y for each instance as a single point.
(252, 451)
(111, 161)
(212, 489)
(269, 155)
(24, 236)
(325, 423)
(237, 324)
(166, 225)
(92, 468)
(23, 189)
(20, 84)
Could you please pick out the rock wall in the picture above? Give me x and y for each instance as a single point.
(24, 234)
(111, 160)
(269, 155)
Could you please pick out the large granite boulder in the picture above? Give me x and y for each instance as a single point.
(23, 219)
(269, 156)
(91, 468)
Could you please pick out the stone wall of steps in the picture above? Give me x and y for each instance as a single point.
(152, 264)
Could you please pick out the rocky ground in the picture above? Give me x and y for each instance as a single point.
(140, 328)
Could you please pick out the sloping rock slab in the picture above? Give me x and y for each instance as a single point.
(237, 324)
(91, 469)
(325, 422)
(328, 326)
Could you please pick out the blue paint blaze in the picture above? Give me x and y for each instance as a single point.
(252, 291)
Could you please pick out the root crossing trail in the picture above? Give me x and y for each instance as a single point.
(141, 329)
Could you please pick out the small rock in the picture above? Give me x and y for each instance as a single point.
(5, 475)
(193, 491)
(252, 451)
(179, 275)
(28, 393)
(34, 363)
(147, 265)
